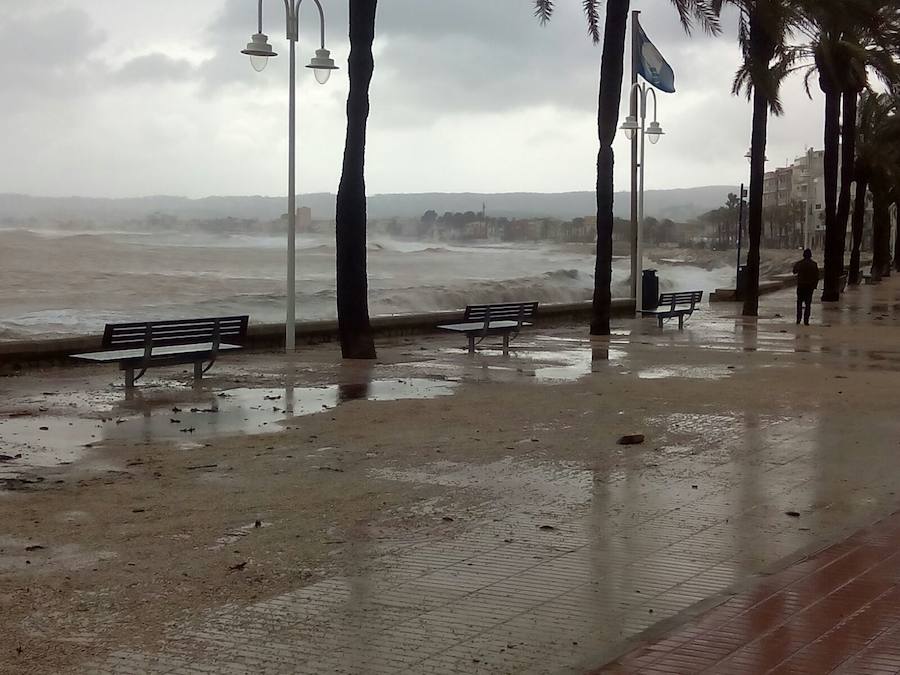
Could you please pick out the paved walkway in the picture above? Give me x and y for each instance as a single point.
(549, 549)
(836, 612)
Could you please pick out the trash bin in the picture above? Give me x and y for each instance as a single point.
(741, 282)
(650, 293)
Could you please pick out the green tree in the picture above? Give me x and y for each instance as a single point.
(352, 282)
(612, 66)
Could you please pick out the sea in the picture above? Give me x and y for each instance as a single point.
(58, 283)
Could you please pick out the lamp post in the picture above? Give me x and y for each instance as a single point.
(260, 51)
(638, 125)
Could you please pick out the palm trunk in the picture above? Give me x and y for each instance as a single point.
(881, 230)
(859, 221)
(834, 262)
(612, 69)
(350, 231)
(848, 163)
(755, 209)
(897, 237)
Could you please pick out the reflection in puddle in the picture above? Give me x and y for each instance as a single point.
(27, 442)
(581, 363)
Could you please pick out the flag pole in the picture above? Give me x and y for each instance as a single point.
(635, 266)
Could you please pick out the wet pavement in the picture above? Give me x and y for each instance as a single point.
(552, 551)
(835, 612)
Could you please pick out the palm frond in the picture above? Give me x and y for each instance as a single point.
(543, 10)
(592, 13)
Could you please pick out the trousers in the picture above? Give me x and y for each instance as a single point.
(804, 303)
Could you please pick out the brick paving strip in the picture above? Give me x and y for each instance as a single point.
(835, 612)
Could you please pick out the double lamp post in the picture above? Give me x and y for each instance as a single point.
(637, 124)
(260, 51)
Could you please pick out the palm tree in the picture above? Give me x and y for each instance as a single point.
(350, 229)
(878, 130)
(764, 29)
(612, 66)
(847, 37)
(877, 161)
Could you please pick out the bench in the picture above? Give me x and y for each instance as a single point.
(149, 344)
(673, 305)
(505, 319)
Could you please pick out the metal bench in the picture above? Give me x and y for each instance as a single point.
(149, 344)
(505, 319)
(673, 305)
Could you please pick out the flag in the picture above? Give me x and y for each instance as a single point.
(652, 66)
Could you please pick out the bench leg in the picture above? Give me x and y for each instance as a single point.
(129, 378)
(471, 344)
(506, 344)
(681, 322)
(198, 371)
(660, 320)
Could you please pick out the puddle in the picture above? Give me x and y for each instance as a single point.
(249, 411)
(580, 364)
(685, 372)
(32, 442)
(44, 441)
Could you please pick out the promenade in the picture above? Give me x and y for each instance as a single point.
(440, 513)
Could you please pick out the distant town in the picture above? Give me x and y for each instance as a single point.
(793, 207)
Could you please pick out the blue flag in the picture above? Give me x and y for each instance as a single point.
(652, 66)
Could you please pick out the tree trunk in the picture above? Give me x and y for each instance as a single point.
(881, 230)
(611, 72)
(848, 164)
(755, 210)
(834, 263)
(350, 231)
(897, 238)
(859, 221)
(762, 51)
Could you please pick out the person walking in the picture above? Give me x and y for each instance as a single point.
(807, 272)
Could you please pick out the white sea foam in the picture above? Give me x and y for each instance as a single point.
(55, 283)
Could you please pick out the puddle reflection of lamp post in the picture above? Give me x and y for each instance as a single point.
(631, 126)
(260, 51)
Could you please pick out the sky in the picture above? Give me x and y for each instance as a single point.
(126, 98)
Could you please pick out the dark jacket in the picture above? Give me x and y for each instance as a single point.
(807, 274)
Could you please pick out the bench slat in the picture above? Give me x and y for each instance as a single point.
(138, 354)
(175, 332)
(478, 326)
(507, 310)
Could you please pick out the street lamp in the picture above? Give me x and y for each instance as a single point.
(637, 124)
(260, 51)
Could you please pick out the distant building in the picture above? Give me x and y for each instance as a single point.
(778, 188)
(801, 188)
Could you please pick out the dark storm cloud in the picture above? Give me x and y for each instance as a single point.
(454, 80)
(46, 53)
(438, 58)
